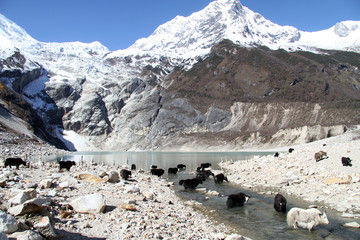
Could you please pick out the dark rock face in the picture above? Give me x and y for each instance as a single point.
(229, 98)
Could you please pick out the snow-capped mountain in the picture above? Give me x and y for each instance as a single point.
(187, 37)
(137, 97)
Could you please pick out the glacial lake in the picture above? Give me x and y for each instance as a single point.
(256, 220)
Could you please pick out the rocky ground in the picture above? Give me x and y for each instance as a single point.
(326, 182)
(91, 202)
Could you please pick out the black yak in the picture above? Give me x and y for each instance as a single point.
(237, 200)
(172, 170)
(125, 174)
(14, 162)
(181, 167)
(190, 183)
(219, 178)
(157, 171)
(346, 161)
(66, 164)
(280, 203)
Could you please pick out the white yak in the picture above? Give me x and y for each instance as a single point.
(306, 218)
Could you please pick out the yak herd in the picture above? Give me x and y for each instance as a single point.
(296, 217)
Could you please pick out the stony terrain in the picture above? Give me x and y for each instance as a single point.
(326, 182)
(90, 201)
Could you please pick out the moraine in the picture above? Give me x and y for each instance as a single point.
(256, 220)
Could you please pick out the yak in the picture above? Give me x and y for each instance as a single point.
(305, 218)
(66, 164)
(237, 200)
(190, 183)
(219, 178)
(280, 203)
(14, 162)
(125, 174)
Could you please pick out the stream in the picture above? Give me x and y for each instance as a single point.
(256, 220)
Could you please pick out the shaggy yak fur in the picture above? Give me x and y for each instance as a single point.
(280, 203)
(14, 162)
(66, 164)
(125, 174)
(305, 218)
(172, 170)
(219, 178)
(157, 171)
(190, 183)
(237, 200)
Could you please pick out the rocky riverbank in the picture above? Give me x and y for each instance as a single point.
(91, 201)
(326, 182)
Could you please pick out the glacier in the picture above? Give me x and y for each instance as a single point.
(115, 99)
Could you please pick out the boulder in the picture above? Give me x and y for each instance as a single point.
(45, 183)
(8, 223)
(23, 196)
(89, 177)
(3, 235)
(352, 225)
(36, 205)
(93, 203)
(45, 228)
(26, 235)
(114, 176)
(235, 237)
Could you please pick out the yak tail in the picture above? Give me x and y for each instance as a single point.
(181, 182)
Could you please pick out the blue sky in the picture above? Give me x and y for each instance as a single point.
(119, 23)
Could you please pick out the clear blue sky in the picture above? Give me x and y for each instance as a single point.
(119, 23)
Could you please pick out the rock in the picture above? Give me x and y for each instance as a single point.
(52, 193)
(103, 174)
(132, 189)
(234, 237)
(68, 181)
(45, 183)
(202, 190)
(8, 223)
(352, 225)
(3, 235)
(65, 214)
(23, 224)
(93, 203)
(350, 215)
(31, 185)
(36, 205)
(45, 228)
(23, 196)
(149, 195)
(212, 193)
(345, 180)
(89, 177)
(114, 176)
(128, 207)
(26, 235)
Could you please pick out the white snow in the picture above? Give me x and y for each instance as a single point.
(181, 40)
(79, 142)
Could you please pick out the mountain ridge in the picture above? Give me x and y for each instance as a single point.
(163, 90)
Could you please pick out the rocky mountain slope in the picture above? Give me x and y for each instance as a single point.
(222, 78)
